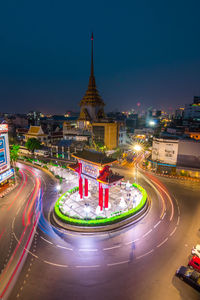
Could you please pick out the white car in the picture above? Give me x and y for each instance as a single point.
(196, 251)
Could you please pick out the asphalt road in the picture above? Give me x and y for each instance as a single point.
(17, 219)
(137, 262)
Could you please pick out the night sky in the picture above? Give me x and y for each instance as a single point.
(145, 51)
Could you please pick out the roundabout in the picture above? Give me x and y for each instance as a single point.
(129, 203)
(102, 201)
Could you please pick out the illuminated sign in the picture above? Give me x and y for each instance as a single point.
(3, 158)
(90, 170)
(4, 149)
(6, 175)
(3, 128)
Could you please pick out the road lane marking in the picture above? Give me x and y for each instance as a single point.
(88, 250)
(163, 216)
(147, 233)
(118, 263)
(131, 242)
(94, 266)
(162, 243)
(110, 248)
(53, 264)
(157, 224)
(145, 254)
(64, 247)
(46, 240)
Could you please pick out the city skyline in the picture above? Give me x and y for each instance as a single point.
(147, 54)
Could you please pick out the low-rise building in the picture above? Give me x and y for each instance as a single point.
(37, 133)
(170, 153)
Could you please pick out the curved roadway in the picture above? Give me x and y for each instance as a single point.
(137, 262)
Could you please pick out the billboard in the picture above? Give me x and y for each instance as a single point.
(7, 174)
(4, 149)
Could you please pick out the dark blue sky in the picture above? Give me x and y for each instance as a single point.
(146, 51)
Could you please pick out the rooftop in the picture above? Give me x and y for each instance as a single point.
(95, 157)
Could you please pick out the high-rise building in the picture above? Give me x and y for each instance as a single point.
(192, 111)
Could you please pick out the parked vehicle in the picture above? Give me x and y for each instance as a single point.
(24, 150)
(195, 263)
(190, 276)
(196, 251)
(41, 152)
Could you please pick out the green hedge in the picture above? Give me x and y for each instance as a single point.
(98, 221)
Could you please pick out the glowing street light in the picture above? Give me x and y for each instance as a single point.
(137, 148)
(152, 123)
(87, 209)
(58, 187)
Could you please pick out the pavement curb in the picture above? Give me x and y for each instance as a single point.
(38, 167)
(113, 227)
(171, 176)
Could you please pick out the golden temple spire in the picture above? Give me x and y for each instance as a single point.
(92, 104)
(92, 65)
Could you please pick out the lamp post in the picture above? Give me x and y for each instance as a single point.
(87, 209)
(58, 188)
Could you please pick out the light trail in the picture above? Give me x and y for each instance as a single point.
(20, 189)
(20, 260)
(2, 232)
(32, 198)
(163, 189)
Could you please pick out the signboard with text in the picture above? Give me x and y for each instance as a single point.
(7, 174)
(4, 149)
(90, 170)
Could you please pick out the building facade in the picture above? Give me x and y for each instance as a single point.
(168, 154)
(106, 134)
(37, 133)
(5, 169)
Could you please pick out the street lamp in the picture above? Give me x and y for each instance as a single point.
(87, 209)
(58, 187)
(152, 123)
(137, 148)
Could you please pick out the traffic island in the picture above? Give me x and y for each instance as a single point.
(128, 203)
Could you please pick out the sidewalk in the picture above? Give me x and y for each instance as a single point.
(7, 188)
(171, 176)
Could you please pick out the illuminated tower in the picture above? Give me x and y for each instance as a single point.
(92, 106)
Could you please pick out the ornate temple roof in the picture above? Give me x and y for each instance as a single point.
(108, 177)
(95, 157)
(92, 96)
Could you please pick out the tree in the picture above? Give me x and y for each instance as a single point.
(99, 146)
(14, 153)
(32, 144)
